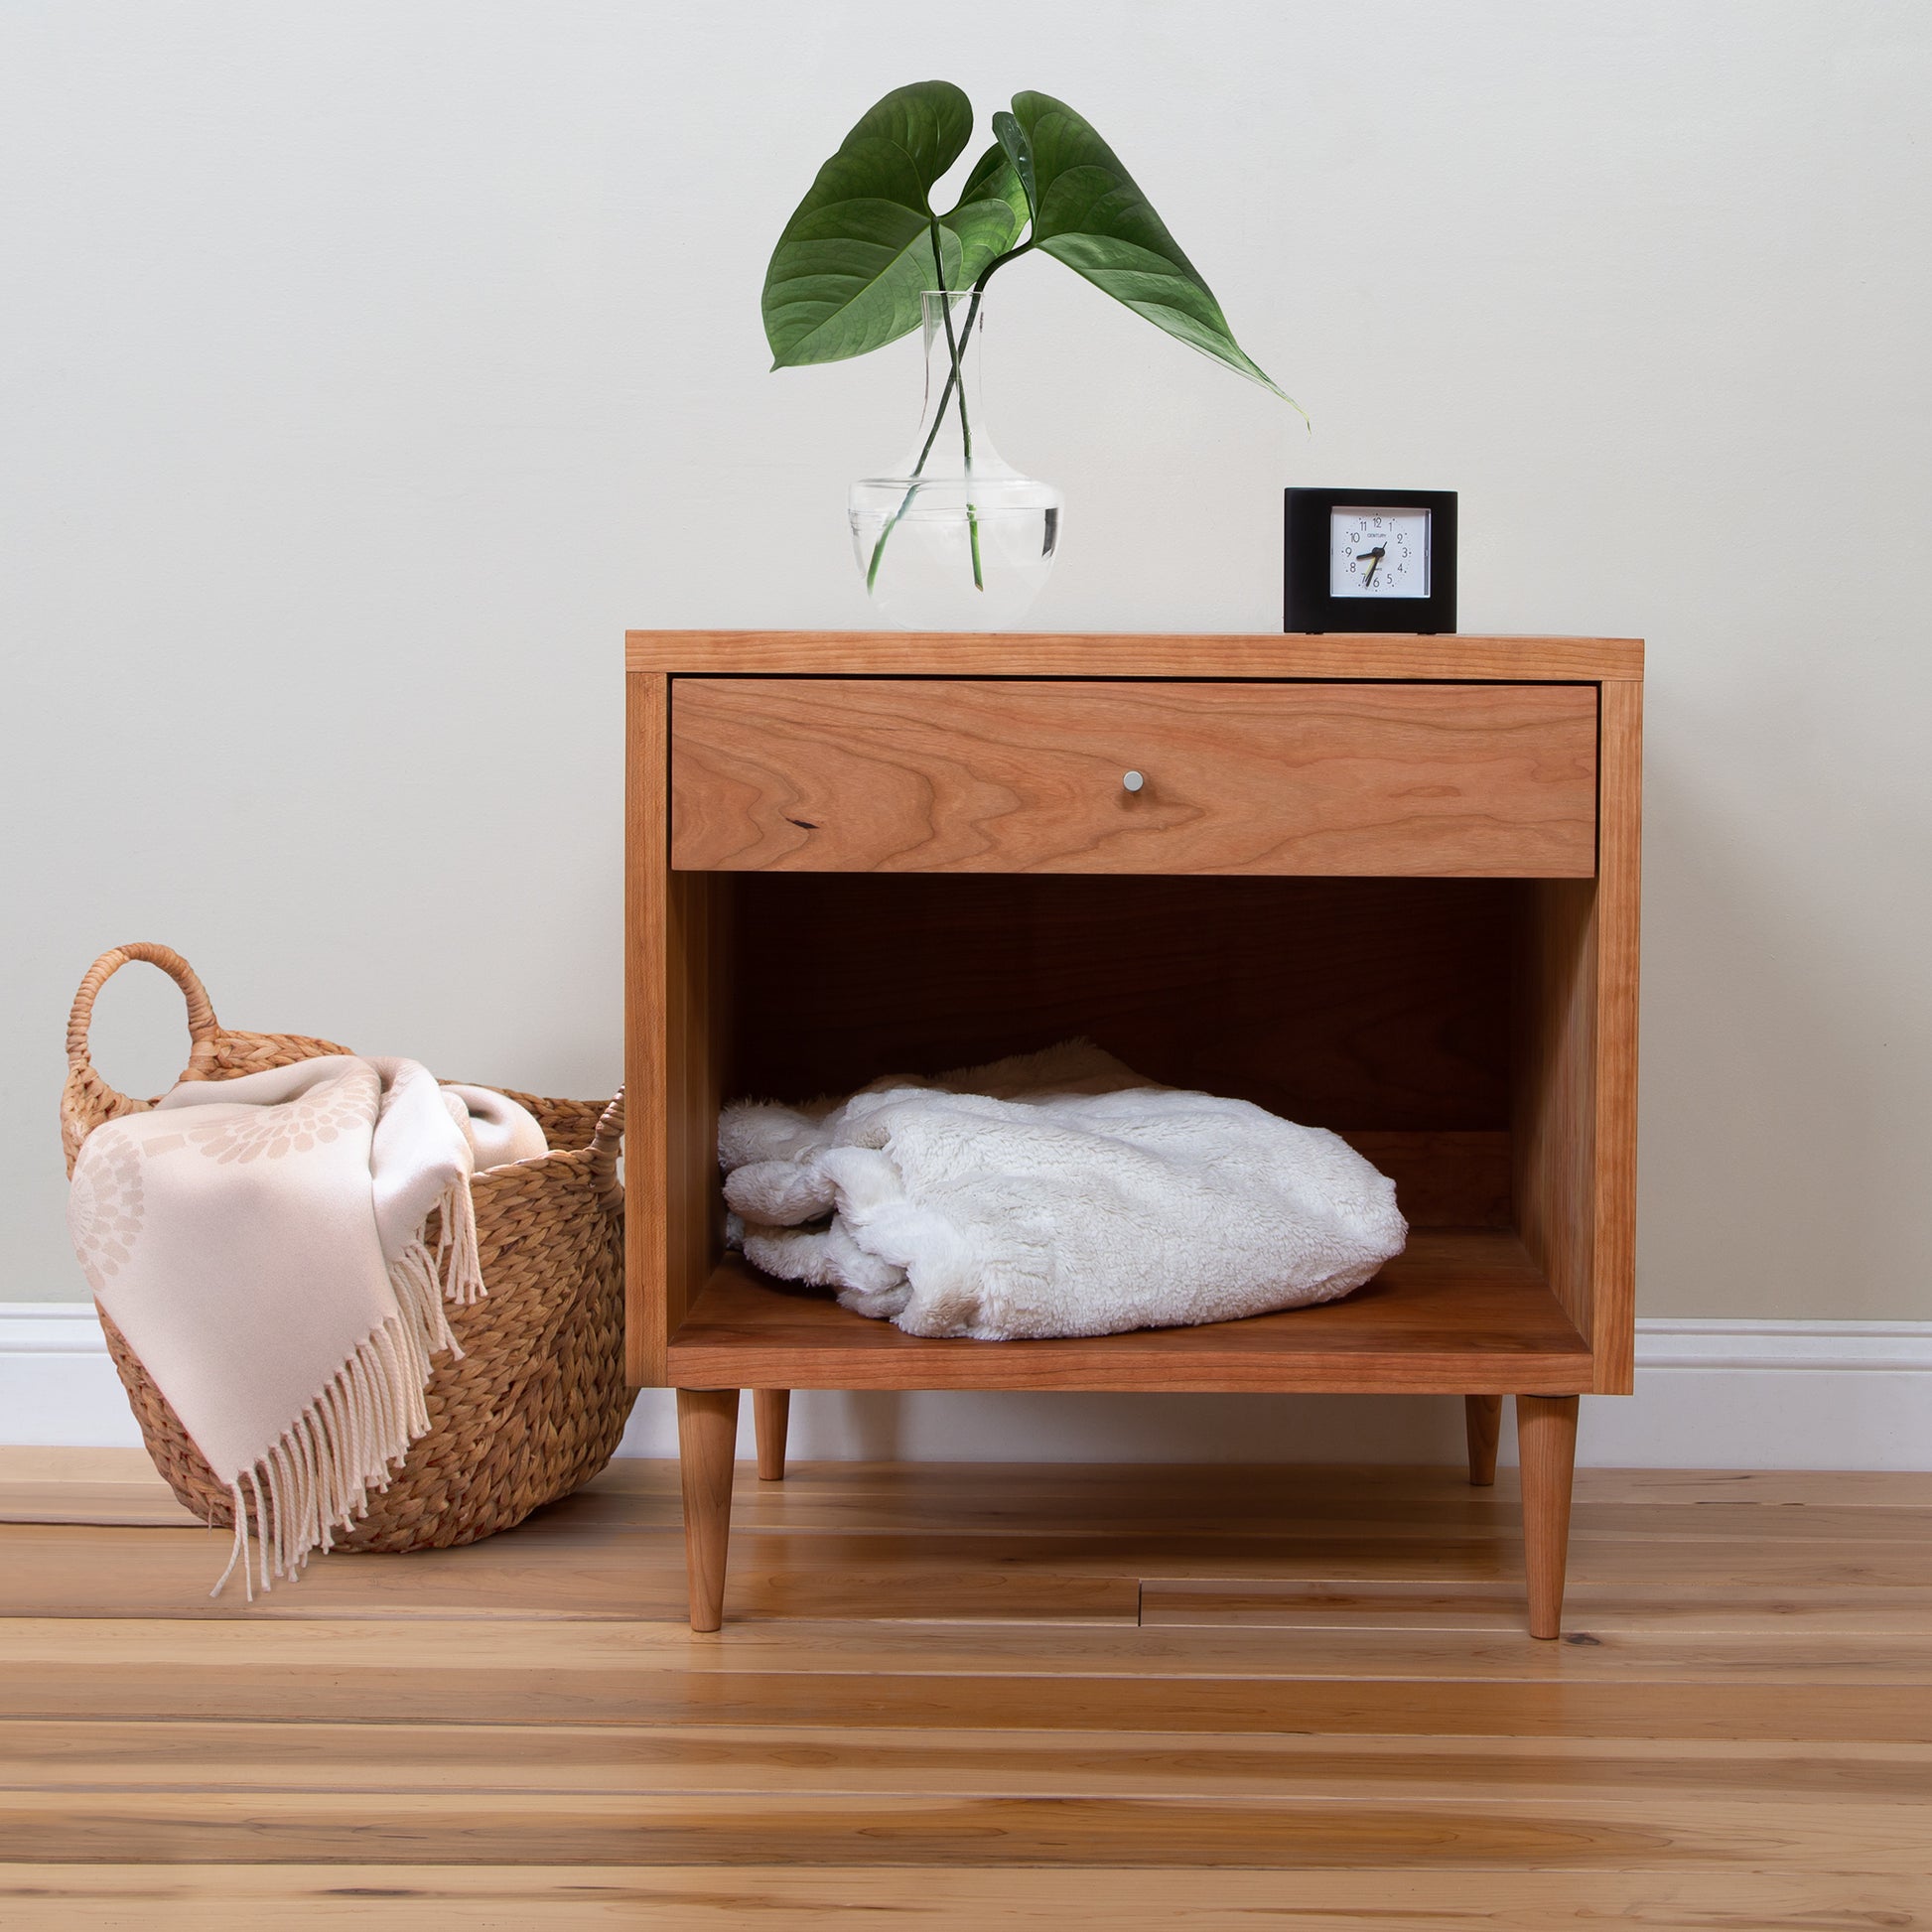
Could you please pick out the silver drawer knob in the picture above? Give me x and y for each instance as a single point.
(1133, 781)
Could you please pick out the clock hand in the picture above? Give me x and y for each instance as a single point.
(1374, 556)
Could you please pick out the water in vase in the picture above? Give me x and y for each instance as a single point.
(954, 538)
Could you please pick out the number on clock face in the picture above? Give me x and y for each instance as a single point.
(1378, 553)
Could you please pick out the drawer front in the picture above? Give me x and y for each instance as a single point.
(902, 775)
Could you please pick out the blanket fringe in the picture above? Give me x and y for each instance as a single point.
(463, 1280)
(317, 1478)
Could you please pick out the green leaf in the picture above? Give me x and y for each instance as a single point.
(1019, 151)
(1089, 213)
(991, 212)
(850, 267)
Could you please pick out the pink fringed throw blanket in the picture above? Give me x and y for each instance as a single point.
(259, 1243)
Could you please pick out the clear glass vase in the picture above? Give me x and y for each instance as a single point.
(954, 538)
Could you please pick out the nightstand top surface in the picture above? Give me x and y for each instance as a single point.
(1129, 654)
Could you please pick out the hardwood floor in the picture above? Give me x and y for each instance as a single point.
(965, 1697)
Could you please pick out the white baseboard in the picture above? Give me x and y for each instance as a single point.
(1710, 1395)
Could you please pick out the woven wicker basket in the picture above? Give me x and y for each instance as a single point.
(537, 1404)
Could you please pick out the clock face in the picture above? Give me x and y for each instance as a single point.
(1378, 553)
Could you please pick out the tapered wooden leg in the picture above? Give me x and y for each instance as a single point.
(707, 1442)
(1482, 1414)
(1546, 1444)
(769, 1410)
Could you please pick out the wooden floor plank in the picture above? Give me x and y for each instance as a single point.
(903, 1494)
(582, 1573)
(557, 1760)
(1336, 1519)
(445, 1652)
(130, 1505)
(96, 1570)
(898, 1700)
(845, 1829)
(878, 1488)
(1682, 1609)
(366, 1898)
(1227, 1698)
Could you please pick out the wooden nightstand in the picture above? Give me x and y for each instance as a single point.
(1381, 883)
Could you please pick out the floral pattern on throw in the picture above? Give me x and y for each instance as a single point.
(104, 1204)
(314, 1119)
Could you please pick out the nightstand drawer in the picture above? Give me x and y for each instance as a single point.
(915, 774)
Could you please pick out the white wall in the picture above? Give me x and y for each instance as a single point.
(366, 368)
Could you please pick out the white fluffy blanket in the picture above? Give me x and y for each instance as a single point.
(259, 1242)
(1055, 1193)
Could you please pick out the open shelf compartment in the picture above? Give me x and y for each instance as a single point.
(1443, 1026)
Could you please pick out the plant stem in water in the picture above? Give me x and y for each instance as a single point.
(906, 503)
(965, 428)
(939, 416)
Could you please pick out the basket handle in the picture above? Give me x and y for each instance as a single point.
(202, 1024)
(606, 1144)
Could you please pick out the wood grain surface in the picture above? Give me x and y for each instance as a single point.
(707, 1432)
(1306, 1696)
(1575, 1111)
(677, 989)
(1612, 1329)
(1279, 779)
(1546, 1439)
(1358, 1004)
(1752, 1895)
(1483, 1417)
(1012, 775)
(771, 1409)
(1239, 654)
(1553, 1118)
(648, 1127)
(1461, 1311)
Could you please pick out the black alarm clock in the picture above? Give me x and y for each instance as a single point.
(1369, 560)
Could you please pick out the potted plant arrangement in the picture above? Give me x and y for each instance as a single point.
(954, 537)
